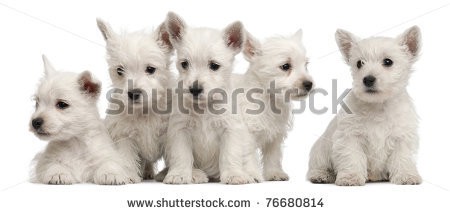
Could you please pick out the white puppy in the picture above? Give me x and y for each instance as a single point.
(138, 115)
(217, 143)
(80, 148)
(377, 138)
(277, 74)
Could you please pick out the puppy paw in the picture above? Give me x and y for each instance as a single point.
(198, 176)
(112, 179)
(177, 178)
(59, 179)
(237, 179)
(350, 180)
(276, 176)
(321, 176)
(408, 179)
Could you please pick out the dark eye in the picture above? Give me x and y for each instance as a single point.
(120, 70)
(213, 66)
(62, 105)
(185, 65)
(286, 67)
(387, 62)
(150, 70)
(359, 64)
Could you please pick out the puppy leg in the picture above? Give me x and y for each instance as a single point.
(198, 176)
(350, 161)
(235, 144)
(272, 156)
(401, 166)
(179, 157)
(320, 168)
(55, 173)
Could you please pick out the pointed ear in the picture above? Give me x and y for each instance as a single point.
(163, 37)
(345, 41)
(412, 40)
(48, 67)
(105, 29)
(234, 36)
(299, 35)
(176, 27)
(88, 85)
(252, 47)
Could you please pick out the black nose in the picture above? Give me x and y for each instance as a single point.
(196, 89)
(134, 94)
(37, 123)
(307, 85)
(369, 81)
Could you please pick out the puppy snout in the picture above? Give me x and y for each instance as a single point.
(37, 123)
(308, 85)
(134, 94)
(196, 89)
(369, 81)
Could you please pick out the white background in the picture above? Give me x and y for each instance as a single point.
(67, 33)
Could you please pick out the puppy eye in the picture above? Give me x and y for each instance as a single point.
(120, 70)
(62, 105)
(359, 64)
(213, 66)
(150, 70)
(185, 65)
(387, 62)
(285, 67)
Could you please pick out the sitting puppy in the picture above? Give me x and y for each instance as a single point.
(377, 138)
(278, 64)
(204, 138)
(139, 69)
(80, 148)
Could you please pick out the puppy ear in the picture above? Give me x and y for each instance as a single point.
(234, 36)
(345, 41)
(48, 67)
(163, 37)
(299, 35)
(88, 85)
(411, 39)
(105, 29)
(252, 47)
(175, 27)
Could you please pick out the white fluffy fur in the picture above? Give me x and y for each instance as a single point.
(80, 148)
(270, 127)
(139, 135)
(218, 145)
(378, 140)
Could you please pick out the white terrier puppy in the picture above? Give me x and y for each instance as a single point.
(377, 138)
(277, 74)
(202, 139)
(80, 148)
(138, 115)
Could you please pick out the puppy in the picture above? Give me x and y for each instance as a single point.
(278, 64)
(377, 139)
(202, 140)
(139, 114)
(80, 148)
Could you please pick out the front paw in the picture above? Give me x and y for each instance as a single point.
(59, 179)
(351, 179)
(276, 176)
(198, 176)
(178, 178)
(112, 179)
(236, 178)
(407, 179)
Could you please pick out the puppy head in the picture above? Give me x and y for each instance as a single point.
(65, 104)
(380, 66)
(204, 56)
(281, 61)
(138, 64)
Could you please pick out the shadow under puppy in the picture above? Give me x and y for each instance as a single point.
(376, 138)
(80, 148)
